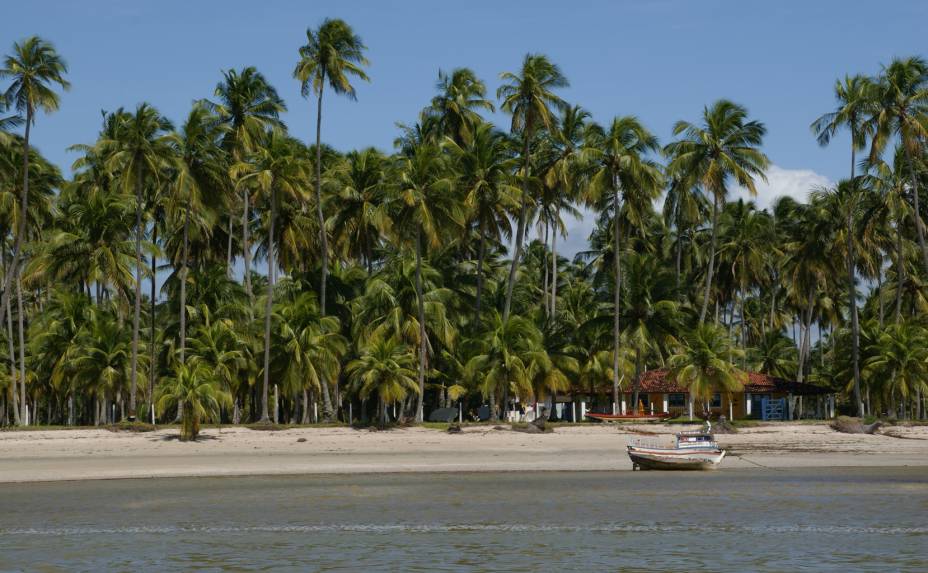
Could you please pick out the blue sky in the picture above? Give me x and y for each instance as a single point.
(661, 60)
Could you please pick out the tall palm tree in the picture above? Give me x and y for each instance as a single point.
(249, 106)
(426, 203)
(901, 111)
(625, 179)
(201, 167)
(482, 164)
(529, 97)
(141, 151)
(276, 168)
(856, 98)
(564, 176)
(332, 55)
(724, 147)
(846, 201)
(34, 67)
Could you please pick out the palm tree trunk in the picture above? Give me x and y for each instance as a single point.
(806, 332)
(554, 266)
(229, 249)
(246, 251)
(268, 305)
(637, 385)
(744, 326)
(544, 290)
(22, 345)
(900, 272)
(183, 286)
(920, 231)
(327, 409)
(323, 238)
(852, 304)
(138, 294)
(421, 310)
(715, 226)
(879, 288)
(481, 253)
(12, 351)
(153, 355)
(520, 229)
(23, 221)
(617, 295)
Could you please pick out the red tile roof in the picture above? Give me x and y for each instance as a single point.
(660, 381)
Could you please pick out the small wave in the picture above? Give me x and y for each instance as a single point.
(465, 528)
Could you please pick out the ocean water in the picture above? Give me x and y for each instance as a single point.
(729, 520)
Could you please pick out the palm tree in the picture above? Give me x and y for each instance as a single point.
(775, 355)
(626, 181)
(194, 386)
(276, 167)
(385, 368)
(332, 54)
(362, 217)
(748, 243)
(702, 366)
(855, 97)
(102, 363)
(482, 165)
(650, 314)
(141, 151)
(201, 167)
(901, 111)
(563, 178)
(426, 203)
(218, 345)
(900, 357)
(529, 97)
(847, 202)
(310, 346)
(249, 106)
(724, 147)
(460, 96)
(507, 355)
(33, 67)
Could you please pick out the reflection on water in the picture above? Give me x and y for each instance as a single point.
(762, 520)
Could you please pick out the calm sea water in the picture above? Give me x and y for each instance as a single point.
(735, 520)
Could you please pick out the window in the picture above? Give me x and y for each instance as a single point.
(716, 401)
(677, 399)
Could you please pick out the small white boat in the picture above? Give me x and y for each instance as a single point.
(694, 450)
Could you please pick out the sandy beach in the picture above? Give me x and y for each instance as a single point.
(56, 455)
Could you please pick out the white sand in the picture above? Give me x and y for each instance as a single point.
(27, 456)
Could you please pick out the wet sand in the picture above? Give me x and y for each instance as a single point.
(58, 455)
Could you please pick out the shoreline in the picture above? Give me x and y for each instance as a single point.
(33, 456)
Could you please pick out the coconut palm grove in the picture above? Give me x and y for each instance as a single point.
(213, 268)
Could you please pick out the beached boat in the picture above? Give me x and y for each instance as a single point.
(639, 417)
(694, 450)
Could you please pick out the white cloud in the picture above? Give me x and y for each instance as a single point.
(795, 183)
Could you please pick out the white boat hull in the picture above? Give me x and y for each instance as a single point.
(675, 459)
